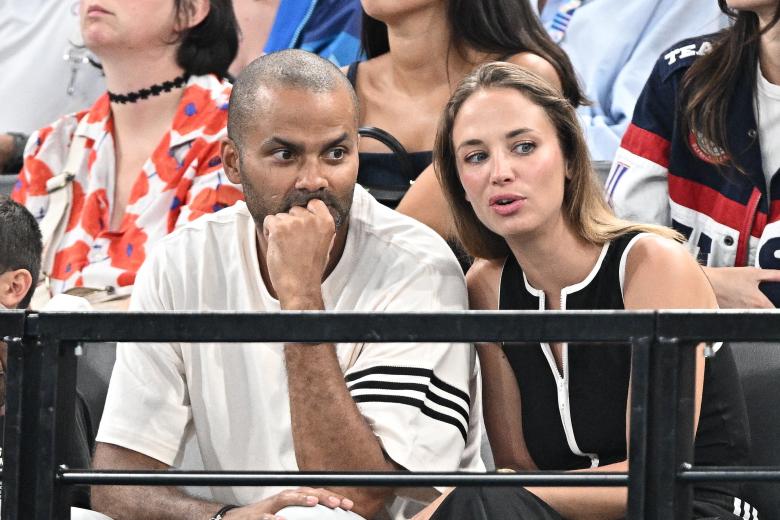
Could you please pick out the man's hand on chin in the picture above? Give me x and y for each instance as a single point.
(299, 245)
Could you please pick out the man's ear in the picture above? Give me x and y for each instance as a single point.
(193, 12)
(230, 160)
(14, 286)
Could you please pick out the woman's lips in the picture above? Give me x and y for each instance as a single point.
(506, 204)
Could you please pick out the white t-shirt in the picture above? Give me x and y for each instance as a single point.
(234, 397)
(768, 110)
(34, 38)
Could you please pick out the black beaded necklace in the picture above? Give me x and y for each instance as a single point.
(154, 90)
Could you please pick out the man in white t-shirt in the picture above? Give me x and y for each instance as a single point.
(307, 239)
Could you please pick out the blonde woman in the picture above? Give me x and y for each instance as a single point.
(515, 170)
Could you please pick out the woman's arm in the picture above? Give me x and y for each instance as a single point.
(738, 287)
(500, 394)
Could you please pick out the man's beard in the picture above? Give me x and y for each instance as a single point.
(339, 208)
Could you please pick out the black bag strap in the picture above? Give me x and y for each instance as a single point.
(405, 163)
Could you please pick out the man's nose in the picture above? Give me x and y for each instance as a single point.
(311, 176)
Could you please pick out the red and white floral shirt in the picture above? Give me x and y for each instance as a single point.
(182, 180)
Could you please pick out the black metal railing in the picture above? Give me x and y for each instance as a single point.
(42, 381)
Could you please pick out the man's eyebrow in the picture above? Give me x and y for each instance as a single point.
(276, 140)
(340, 139)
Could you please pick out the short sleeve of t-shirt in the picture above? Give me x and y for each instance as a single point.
(421, 399)
(147, 408)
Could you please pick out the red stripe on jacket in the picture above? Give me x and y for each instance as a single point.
(703, 199)
(646, 144)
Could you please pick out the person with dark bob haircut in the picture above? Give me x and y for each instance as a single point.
(210, 46)
(702, 153)
(145, 158)
(513, 162)
(417, 52)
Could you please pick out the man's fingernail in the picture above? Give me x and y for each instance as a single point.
(347, 503)
(310, 499)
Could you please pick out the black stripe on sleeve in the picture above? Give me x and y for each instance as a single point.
(417, 403)
(416, 387)
(409, 371)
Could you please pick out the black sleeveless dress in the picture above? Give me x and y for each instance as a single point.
(576, 418)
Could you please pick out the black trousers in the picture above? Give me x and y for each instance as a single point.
(516, 503)
(494, 503)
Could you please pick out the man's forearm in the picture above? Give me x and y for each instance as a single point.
(329, 432)
(147, 502)
(150, 503)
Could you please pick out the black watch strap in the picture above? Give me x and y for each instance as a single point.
(219, 515)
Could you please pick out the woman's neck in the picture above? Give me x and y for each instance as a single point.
(421, 54)
(770, 53)
(125, 74)
(554, 259)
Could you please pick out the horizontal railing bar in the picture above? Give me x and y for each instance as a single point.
(253, 478)
(730, 474)
(289, 326)
(721, 325)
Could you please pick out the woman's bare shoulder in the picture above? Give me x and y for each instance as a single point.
(662, 274)
(484, 280)
(536, 64)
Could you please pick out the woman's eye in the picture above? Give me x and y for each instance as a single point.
(525, 148)
(336, 154)
(283, 155)
(476, 157)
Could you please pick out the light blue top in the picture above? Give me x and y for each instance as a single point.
(613, 45)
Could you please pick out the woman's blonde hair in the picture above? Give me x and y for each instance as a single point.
(584, 205)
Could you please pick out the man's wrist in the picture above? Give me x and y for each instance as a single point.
(220, 515)
(302, 302)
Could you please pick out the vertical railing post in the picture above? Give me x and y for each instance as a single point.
(686, 401)
(637, 452)
(65, 422)
(669, 441)
(55, 421)
(19, 443)
(13, 480)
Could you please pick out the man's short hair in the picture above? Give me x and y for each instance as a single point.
(291, 68)
(20, 243)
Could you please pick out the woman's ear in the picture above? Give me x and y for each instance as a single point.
(193, 12)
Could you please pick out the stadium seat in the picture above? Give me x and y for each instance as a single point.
(602, 170)
(94, 372)
(7, 182)
(758, 365)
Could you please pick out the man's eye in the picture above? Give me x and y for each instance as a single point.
(283, 155)
(336, 154)
(476, 157)
(525, 148)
